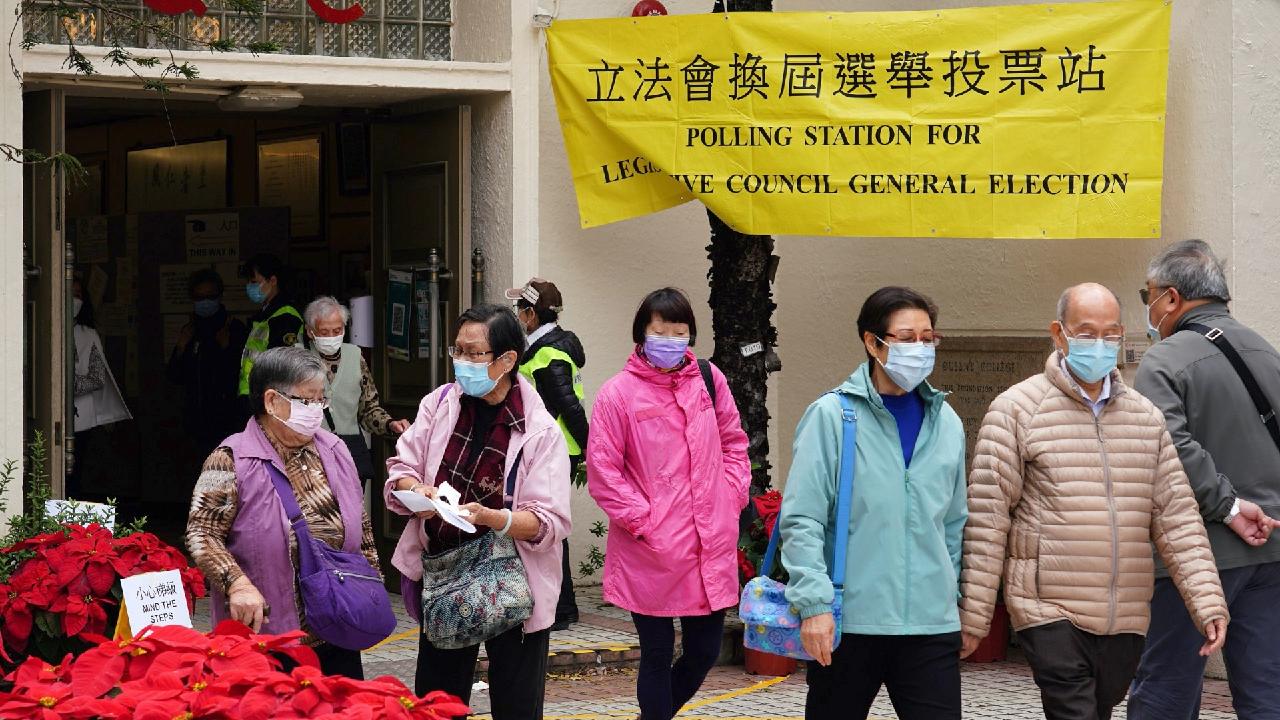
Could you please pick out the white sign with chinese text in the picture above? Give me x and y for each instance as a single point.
(155, 598)
(214, 237)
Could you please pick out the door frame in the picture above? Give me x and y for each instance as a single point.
(50, 409)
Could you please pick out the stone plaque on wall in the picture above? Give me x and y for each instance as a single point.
(974, 370)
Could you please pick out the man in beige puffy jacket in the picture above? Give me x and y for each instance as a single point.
(1074, 479)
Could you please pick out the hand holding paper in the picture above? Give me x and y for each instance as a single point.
(445, 504)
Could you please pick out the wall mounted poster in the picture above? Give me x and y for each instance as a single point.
(192, 176)
(399, 304)
(289, 176)
(213, 238)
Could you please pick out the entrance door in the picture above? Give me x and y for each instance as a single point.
(421, 211)
(47, 291)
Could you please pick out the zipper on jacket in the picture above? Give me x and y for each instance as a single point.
(1112, 599)
(906, 599)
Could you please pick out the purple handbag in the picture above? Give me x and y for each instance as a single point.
(344, 601)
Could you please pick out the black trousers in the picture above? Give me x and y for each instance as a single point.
(567, 603)
(1081, 676)
(340, 661)
(661, 686)
(333, 661)
(921, 672)
(517, 672)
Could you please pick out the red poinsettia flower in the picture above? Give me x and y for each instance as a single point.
(38, 700)
(81, 613)
(38, 542)
(768, 504)
(88, 553)
(17, 616)
(36, 581)
(745, 566)
(287, 644)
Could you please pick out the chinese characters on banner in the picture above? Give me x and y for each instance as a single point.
(1015, 121)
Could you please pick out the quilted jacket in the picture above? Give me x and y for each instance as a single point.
(1066, 507)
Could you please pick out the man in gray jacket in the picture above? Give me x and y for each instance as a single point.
(1231, 452)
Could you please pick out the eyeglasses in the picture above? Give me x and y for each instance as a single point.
(322, 403)
(1145, 294)
(458, 353)
(934, 339)
(1091, 337)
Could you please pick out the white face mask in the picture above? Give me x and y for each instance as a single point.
(303, 419)
(76, 304)
(328, 345)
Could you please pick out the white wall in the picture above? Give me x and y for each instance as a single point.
(11, 269)
(1216, 173)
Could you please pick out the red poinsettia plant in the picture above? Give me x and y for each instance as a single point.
(763, 515)
(67, 589)
(228, 674)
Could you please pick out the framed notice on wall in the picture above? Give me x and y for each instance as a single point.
(191, 176)
(289, 176)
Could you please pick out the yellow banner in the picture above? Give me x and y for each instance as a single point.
(1029, 121)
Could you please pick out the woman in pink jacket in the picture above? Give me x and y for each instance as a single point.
(668, 464)
(490, 437)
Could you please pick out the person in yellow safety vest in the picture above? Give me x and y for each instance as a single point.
(553, 363)
(277, 324)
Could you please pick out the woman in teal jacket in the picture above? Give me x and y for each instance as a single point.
(901, 626)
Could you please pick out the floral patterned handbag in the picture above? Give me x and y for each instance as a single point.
(476, 591)
(770, 623)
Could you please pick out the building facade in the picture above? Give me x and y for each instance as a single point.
(457, 108)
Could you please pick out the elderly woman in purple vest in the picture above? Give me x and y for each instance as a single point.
(490, 437)
(237, 531)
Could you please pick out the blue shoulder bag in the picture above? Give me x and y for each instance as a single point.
(770, 623)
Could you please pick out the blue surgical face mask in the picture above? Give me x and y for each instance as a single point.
(1153, 331)
(474, 378)
(665, 352)
(1091, 360)
(255, 293)
(909, 363)
(206, 307)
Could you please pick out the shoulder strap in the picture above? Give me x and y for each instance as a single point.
(511, 478)
(1265, 412)
(704, 367)
(848, 457)
(285, 492)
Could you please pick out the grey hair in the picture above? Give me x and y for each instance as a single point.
(1064, 300)
(1191, 268)
(281, 369)
(322, 307)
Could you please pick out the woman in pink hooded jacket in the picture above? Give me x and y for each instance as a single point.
(667, 462)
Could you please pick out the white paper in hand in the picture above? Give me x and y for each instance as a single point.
(446, 506)
(413, 501)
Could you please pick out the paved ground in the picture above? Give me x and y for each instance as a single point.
(589, 678)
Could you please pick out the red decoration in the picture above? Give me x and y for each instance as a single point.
(334, 15)
(177, 7)
(229, 674)
(648, 7)
(73, 578)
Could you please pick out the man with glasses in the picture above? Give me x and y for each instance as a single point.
(1217, 383)
(1074, 479)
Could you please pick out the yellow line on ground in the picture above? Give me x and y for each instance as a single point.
(732, 694)
(398, 636)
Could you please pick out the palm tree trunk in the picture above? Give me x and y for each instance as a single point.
(741, 278)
